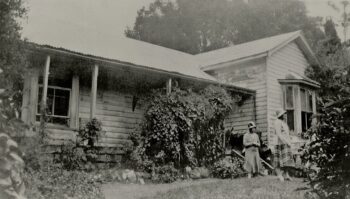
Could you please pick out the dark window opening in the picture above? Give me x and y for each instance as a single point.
(290, 119)
(57, 105)
(306, 119)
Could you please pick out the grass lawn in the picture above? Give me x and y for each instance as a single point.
(259, 188)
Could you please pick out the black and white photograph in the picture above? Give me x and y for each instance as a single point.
(174, 99)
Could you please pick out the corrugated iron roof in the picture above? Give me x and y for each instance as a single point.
(244, 50)
(142, 54)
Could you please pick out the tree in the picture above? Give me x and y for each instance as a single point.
(331, 44)
(12, 56)
(12, 65)
(195, 26)
(329, 148)
(344, 22)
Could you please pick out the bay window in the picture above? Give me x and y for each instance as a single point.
(298, 101)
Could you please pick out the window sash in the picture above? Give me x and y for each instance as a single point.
(289, 98)
(306, 100)
(53, 103)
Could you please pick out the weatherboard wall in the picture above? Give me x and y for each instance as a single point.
(284, 61)
(114, 110)
(251, 75)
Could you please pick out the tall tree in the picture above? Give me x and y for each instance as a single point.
(12, 56)
(195, 26)
(12, 65)
(331, 43)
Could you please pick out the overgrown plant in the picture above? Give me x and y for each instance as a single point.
(90, 133)
(11, 169)
(184, 128)
(11, 163)
(83, 153)
(228, 168)
(329, 150)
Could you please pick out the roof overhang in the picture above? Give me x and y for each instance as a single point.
(303, 45)
(298, 38)
(300, 82)
(234, 62)
(101, 60)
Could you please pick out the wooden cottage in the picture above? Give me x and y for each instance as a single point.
(275, 68)
(106, 83)
(77, 86)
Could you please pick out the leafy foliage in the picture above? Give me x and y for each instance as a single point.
(226, 168)
(195, 26)
(11, 169)
(83, 153)
(90, 132)
(12, 55)
(330, 137)
(330, 150)
(166, 173)
(184, 128)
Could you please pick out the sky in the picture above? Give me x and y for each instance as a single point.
(62, 22)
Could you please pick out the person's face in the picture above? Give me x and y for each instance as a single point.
(252, 130)
(284, 117)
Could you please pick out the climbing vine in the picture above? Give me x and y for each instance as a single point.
(184, 128)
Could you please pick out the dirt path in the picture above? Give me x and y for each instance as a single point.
(133, 191)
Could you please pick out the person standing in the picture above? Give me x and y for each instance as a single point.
(282, 158)
(251, 143)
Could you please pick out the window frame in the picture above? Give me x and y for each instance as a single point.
(68, 117)
(308, 107)
(292, 108)
(297, 107)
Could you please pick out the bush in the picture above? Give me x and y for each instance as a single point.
(166, 173)
(83, 153)
(11, 169)
(184, 128)
(329, 150)
(226, 168)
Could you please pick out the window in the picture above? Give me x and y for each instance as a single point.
(306, 109)
(57, 101)
(298, 106)
(289, 106)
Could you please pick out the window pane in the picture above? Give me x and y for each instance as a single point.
(49, 101)
(290, 119)
(310, 102)
(303, 99)
(289, 97)
(61, 102)
(306, 121)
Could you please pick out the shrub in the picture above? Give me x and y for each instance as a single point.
(11, 162)
(83, 153)
(226, 168)
(90, 133)
(329, 150)
(185, 128)
(11, 169)
(166, 173)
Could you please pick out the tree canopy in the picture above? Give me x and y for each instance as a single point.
(12, 58)
(195, 26)
(329, 148)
